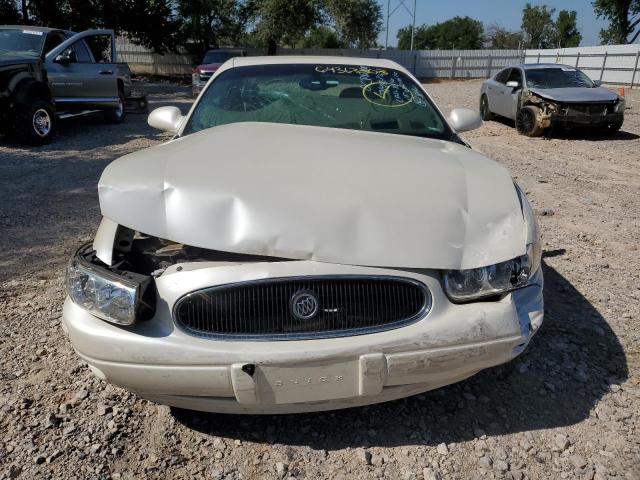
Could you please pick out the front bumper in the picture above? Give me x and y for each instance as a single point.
(164, 364)
(586, 120)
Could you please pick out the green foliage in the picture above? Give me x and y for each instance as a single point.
(538, 26)
(566, 30)
(358, 22)
(210, 23)
(498, 37)
(541, 31)
(285, 21)
(147, 22)
(456, 33)
(9, 12)
(624, 20)
(200, 25)
(320, 37)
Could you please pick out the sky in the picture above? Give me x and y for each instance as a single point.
(507, 13)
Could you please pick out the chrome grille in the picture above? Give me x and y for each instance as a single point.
(205, 76)
(264, 309)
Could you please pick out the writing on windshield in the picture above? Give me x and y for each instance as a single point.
(356, 97)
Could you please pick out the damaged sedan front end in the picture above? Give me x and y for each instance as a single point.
(543, 96)
(554, 112)
(273, 263)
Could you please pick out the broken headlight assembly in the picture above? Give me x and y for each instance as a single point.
(503, 277)
(117, 296)
(492, 280)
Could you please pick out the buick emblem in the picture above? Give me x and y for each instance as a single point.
(303, 305)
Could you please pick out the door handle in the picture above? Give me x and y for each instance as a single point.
(106, 72)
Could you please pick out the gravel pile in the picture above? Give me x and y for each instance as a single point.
(566, 409)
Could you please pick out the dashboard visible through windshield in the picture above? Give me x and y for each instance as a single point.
(353, 97)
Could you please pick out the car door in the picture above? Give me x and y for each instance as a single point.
(512, 94)
(77, 81)
(498, 102)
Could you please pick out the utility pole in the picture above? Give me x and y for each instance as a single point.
(413, 26)
(412, 13)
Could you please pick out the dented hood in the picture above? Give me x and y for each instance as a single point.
(330, 195)
(576, 94)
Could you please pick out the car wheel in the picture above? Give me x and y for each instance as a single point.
(527, 123)
(117, 115)
(35, 122)
(485, 113)
(613, 127)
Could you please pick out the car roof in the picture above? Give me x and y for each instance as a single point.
(320, 60)
(30, 27)
(36, 29)
(534, 66)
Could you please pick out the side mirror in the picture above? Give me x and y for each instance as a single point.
(597, 83)
(463, 119)
(167, 119)
(513, 84)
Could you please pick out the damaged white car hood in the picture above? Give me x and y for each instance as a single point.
(329, 195)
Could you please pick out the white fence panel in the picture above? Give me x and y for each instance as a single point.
(609, 63)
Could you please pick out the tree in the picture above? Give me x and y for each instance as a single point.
(456, 33)
(9, 12)
(210, 23)
(147, 22)
(624, 20)
(538, 26)
(498, 37)
(566, 30)
(320, 37)
(285, 21)
(358, 22)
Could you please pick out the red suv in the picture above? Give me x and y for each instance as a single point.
(210, 63)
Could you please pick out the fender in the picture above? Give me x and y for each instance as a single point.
(29, 88)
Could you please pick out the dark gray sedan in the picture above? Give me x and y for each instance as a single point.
(540, 96)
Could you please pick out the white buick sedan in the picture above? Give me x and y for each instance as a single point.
(315, 236)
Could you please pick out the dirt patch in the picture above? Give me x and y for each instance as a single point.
(567, 408)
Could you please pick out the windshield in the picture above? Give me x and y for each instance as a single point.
(21, 42)
(218, 57)
(339, 96)
(557, 78)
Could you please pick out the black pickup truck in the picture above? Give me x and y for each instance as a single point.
(48, 73)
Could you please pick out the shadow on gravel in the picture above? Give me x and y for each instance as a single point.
(567, 368)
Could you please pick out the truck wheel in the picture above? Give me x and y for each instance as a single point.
(116, 115)
(527, 123)
(35, 122)
(485, 113)
(613, 127)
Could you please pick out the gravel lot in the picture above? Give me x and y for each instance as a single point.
(567, 408)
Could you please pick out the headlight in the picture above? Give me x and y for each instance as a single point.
(464, 285)
(105, 294)
(621, 105)
(195, 78)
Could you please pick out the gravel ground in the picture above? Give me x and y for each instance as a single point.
(567, 408)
